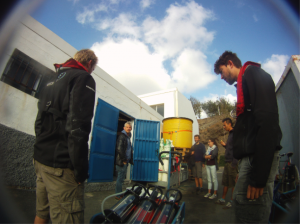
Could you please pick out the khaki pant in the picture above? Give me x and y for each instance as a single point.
(58, 196)
(229, 175)
(197, 169)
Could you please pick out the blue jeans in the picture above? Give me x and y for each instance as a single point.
(257, 210)
(121, 177)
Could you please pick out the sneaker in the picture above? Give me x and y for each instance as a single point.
(213, 196)
(207, 195)
(220, 201)
(228, 205)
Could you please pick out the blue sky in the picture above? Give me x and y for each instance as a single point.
(151, 45)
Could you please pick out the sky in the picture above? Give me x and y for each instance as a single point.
(153, 45)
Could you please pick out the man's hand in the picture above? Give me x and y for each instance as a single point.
(222, 143)
(254, 192)
(203, 165)
(237, 177)
(124, 163)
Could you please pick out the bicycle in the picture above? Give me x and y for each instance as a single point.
(285, 186)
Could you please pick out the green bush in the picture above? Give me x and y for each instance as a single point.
(222, 160)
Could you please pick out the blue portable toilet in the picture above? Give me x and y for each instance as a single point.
(108, 123)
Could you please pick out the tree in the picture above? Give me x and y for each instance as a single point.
(218, 107)
(196, 106)
(210, 108)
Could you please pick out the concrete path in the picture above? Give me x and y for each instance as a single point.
(198, 208)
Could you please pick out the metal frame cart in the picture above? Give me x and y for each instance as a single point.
(167, 177)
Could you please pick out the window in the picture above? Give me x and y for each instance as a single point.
(159, 108)
(26, 74)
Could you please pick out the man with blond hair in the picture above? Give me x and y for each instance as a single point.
(62, 127)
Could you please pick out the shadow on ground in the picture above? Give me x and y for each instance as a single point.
(198, 208)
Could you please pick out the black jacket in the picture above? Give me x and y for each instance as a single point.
(229, 150)
(121, 147)
(257, 132)
(63, 122)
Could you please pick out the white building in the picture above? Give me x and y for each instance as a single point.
(171, 103)
(26, 66)
(288, 99)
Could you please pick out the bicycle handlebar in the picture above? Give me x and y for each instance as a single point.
(289, 154)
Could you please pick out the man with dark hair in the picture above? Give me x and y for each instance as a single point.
(256, 137)
(198, 151)
(62, 127)
(230, 168)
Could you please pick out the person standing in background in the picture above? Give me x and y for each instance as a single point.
(231, 164)
(124, 156)
(211, 157)
(198, 151)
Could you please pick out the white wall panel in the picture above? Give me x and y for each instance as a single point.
(18, 110)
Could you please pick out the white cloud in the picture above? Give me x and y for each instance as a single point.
(191, 71)
(146, 3)
(123, 25)
(134, 52)
(255, 18)
(88, 14)
(181, 28)
(275, 66)
(130, 62)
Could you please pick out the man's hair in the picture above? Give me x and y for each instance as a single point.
(129, 123)
(228, 121)
(85, 55)
(224, 58)
(197, 136)
(213, 140)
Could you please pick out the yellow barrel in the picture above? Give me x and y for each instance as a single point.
(179, 130)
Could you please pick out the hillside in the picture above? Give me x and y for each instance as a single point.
(213, 128)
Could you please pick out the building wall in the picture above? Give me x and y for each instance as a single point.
(166, 97)
(18, 109)
(288, 99)
(185, 109)
(41, 44)
(175, 105)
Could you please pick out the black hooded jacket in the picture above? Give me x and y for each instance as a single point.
(257, 132)
(63, 122)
